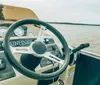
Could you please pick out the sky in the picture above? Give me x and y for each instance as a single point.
(76, 11)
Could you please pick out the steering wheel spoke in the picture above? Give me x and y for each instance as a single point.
(53, 58)
(40, 36)
(21, 50)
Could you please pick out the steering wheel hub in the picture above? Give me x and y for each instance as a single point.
(39, 47)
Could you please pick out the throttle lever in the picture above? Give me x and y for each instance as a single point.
(72, 56)
(82, 46)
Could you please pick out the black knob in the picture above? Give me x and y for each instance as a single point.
(54, 48)
(82, 46)
(46, 40)
(2, 64)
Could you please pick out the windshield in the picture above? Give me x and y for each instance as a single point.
(76, 34)
(80, 19)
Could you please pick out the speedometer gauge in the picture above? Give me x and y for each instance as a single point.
(19, 31)
(2, 31)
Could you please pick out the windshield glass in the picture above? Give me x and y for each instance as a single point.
(78, 34)
(73, 15)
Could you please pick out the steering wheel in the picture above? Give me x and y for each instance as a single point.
(37, 48)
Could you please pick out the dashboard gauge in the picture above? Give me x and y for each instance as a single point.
(2, 32)
(19, 31)
(31, 34)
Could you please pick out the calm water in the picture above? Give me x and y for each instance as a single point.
(75, 35)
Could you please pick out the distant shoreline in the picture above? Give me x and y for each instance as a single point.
(69, 23)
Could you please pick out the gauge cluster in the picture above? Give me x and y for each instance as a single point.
(3, 30)
(20, 31)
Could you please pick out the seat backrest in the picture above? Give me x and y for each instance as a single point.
(87, 71)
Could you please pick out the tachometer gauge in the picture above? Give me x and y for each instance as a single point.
(19, 31)
(2, 32)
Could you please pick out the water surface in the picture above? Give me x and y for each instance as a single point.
(77, 34)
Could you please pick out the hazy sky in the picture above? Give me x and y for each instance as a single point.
(81, 11)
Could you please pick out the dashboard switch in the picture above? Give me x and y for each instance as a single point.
(46, 40)
(54, 48)
(2, 64)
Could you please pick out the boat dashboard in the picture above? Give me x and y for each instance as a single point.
(23, 36)
(20, 31)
